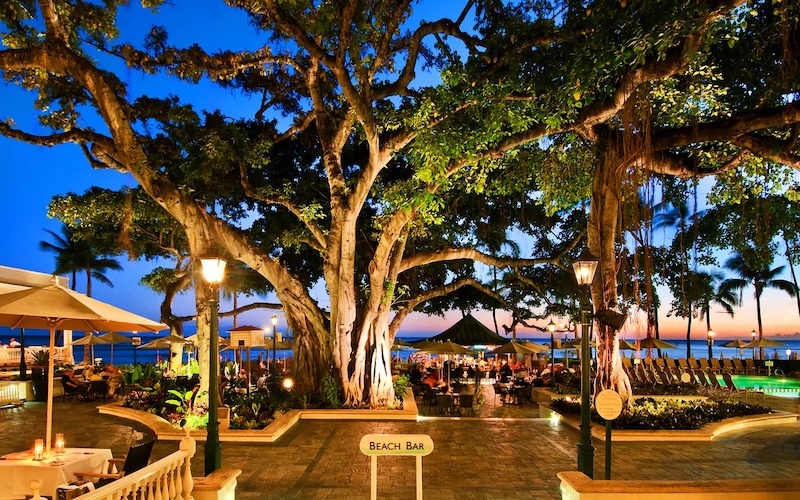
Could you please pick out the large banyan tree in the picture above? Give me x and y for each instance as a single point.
(373, 135)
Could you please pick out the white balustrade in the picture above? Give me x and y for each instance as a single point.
(167, 479)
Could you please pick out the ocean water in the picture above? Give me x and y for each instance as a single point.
(699, 349)
(125, 353)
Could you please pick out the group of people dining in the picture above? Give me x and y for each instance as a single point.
(81, 382)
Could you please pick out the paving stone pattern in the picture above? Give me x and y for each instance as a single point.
(474, 458)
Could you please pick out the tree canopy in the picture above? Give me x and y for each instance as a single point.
(356, 170)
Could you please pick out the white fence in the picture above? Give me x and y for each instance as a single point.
(9, 356)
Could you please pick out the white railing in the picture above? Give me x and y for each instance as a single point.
(167, 479)
(9, 356)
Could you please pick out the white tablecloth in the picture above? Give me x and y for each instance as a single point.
(17, 470)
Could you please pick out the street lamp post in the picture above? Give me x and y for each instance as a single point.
(584, 268)
(551, 327)
(753, 336)
(214, 270)
(710, 335)
(274, 320)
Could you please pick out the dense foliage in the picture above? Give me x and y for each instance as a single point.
(668, 414)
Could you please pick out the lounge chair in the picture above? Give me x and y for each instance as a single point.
(731, 386)
(138, 457)
(693, 364)
(683, 364)
(704, 364)
(738, 367)
(701, 377)
(750, 367)
(715, 365)
(712, 377)
(727, 365)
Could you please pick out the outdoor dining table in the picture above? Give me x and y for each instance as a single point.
(17, 470)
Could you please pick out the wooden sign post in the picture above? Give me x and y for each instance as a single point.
(375, 445)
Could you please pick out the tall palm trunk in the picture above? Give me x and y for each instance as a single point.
(760, 327)
(689, 337)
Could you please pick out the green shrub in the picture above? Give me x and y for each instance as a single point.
(668, 414)
(400, 384)
(329, 391)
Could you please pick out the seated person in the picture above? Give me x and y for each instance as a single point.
(432, 380)
(13, 342)
(505, 374)
(115, 379)
(96, 375)
(70, 382)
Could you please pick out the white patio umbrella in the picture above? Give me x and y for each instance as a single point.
(90, 340)
(115, 338)
(53, 306)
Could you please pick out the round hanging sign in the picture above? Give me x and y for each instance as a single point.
(608, 404)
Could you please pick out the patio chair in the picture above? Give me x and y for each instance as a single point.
(69, 392)
(683, 364)
(738, 367)
(500, 390)
(715, 365)
(138, 457)
(704, 364)
(465, 404)
(444, 404)
(97, 389)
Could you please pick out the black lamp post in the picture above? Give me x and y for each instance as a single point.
(551, 327)
(213, 270)
(274, 320)
(585, 267)
(710, 336)
(753, 336)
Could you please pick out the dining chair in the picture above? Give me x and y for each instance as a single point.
(138, 457)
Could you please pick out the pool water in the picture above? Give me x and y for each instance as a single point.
(774, 386)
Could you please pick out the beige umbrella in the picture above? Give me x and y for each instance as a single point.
(514, 347)
(53, 306)
(446, 347)
(115, 338)
(738, 343)
(654, 343)
(90, 340)
(624, 345)
(194, 339)
(764, 343)
(536, 347)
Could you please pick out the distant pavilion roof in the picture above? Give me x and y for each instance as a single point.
(470, 331)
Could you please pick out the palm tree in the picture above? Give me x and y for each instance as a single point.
(760, 277)
(711, 295)
(74, 255)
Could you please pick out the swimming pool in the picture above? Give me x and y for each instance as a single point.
(774, 386)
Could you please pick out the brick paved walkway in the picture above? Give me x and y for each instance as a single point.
(473, 458)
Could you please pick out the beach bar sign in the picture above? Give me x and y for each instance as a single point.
(375, 445)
